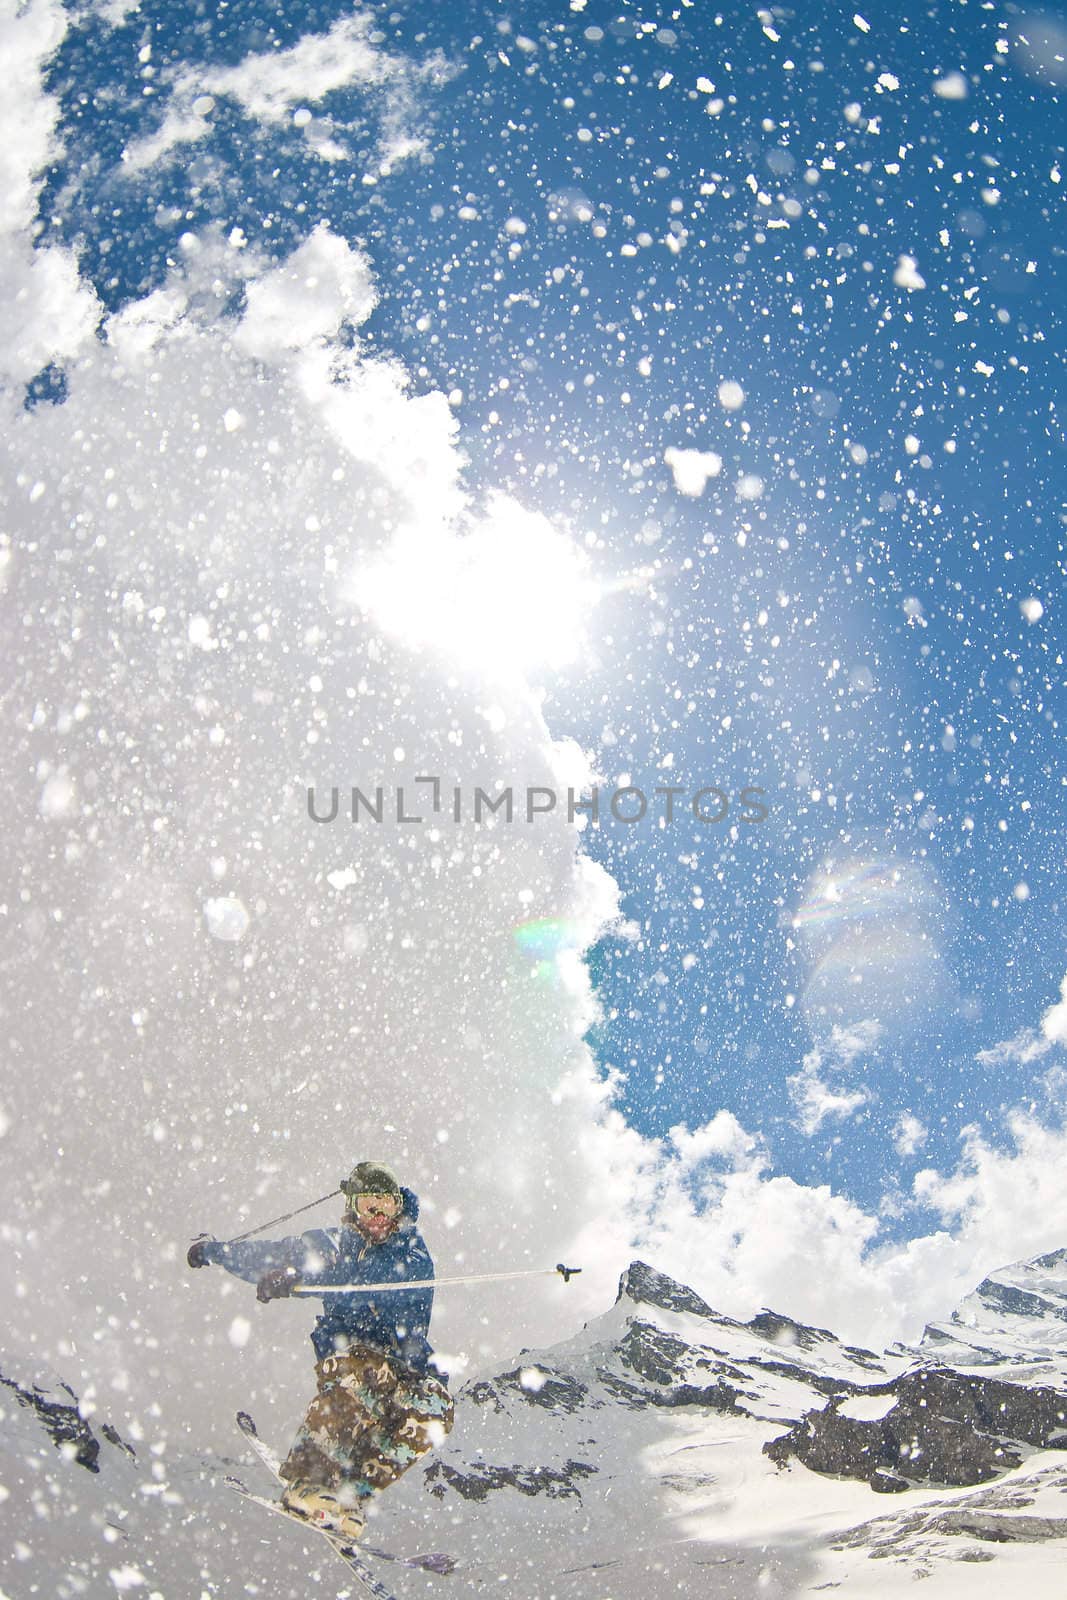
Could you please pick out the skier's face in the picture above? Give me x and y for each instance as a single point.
(376, 1215)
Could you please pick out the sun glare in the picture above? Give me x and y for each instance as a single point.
(512, 594)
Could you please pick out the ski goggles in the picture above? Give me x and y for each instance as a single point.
(374, 1205)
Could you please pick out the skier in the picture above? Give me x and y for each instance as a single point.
(378, 1407)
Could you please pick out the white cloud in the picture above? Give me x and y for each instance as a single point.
(1030, 1044)
(274, 86)
(814, 1099)
(1025, 1046)
(305, 299)
(745, 1239)
(46, 313)
(909, 1135)
(1054, 1021)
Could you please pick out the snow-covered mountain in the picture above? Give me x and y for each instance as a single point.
(663, 1450)
(1015, 1323)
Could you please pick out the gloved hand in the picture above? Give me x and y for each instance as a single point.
(198, 1256)
(276, 1284)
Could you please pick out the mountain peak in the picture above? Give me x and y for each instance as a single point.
(1016, 1316)
(644, 1285)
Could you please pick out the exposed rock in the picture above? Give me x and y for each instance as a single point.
(996, 1514)
(555, 1391)
(478, 1483)
(62, 1421)
(999, 1529)
(941, 1427)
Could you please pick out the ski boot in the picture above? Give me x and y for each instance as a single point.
(323, 1508)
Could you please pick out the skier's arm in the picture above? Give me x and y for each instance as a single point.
(253, 1257)
(412, 1307)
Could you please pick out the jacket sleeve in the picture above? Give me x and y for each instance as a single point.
(412, 1308)
(252, 1257)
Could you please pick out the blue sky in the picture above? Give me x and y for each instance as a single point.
(619, 210)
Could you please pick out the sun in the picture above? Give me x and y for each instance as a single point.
(510, 594)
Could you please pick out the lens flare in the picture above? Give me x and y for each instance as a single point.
(543, 941)
(870, 931)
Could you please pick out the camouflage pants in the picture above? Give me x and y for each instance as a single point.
(369, 1422)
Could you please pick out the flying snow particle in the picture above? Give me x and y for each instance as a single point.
(532, 1379)
(57, 796)
(1021, 891)
(1032, 609)
(861, 23)
(731, 395)
(233, 420)
(240, 1331)
(692, 468)
(907, 275)
(953, 86)
(226, 918)
(127, 1578)
(749, 486)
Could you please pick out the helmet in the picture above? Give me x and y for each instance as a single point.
(370, 1177)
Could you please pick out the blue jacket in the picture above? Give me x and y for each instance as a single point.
(396, 1323)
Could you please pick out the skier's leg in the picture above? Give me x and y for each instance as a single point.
(417, 1416)
(365, 1427)
(343, 1420)
(344, 1406)
(322, 1467)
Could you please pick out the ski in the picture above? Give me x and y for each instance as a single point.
(263, 1450)
(440, 1564)
(348, 1553)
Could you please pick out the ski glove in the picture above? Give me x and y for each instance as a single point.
(276, 1284)
(198, 1256)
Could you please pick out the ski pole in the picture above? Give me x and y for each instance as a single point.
(567, 1274)
(288, 1214)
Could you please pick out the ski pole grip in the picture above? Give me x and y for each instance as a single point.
(567, 1273)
